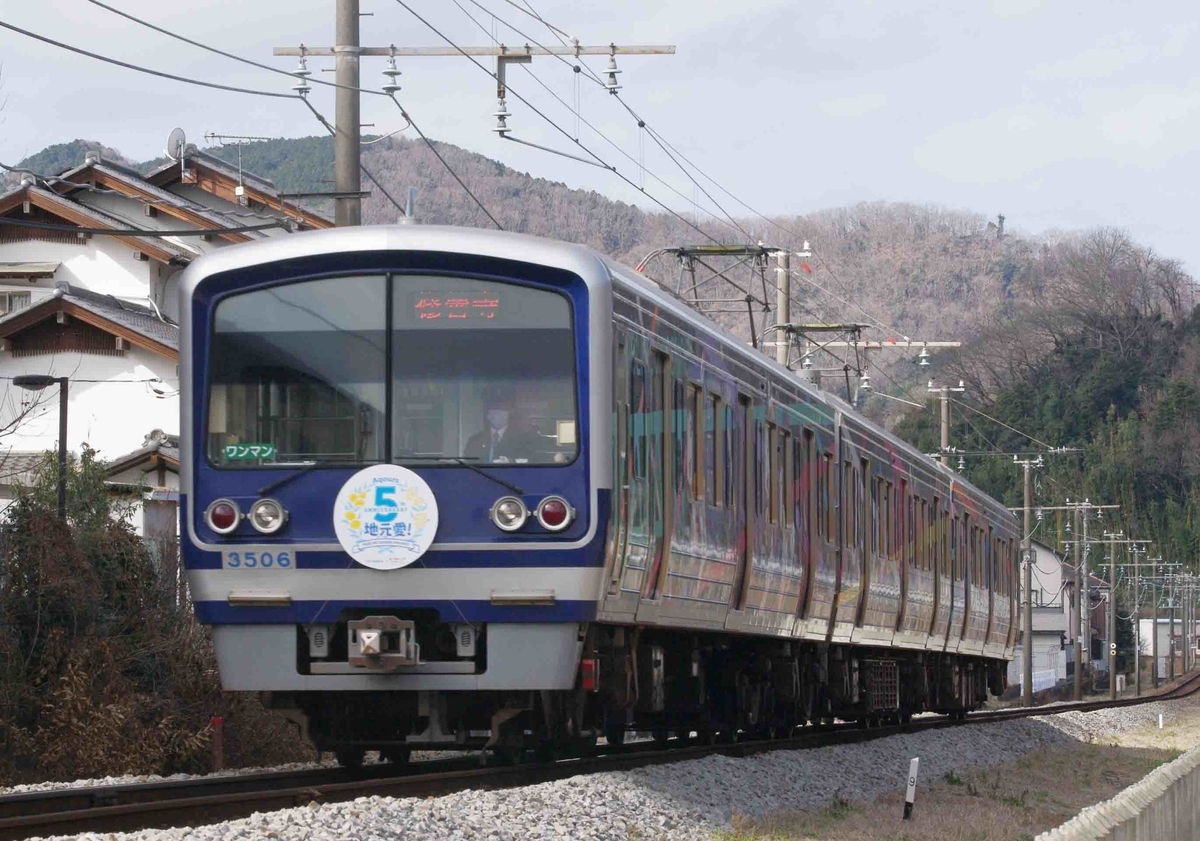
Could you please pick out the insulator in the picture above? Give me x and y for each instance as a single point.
(501, 114)
(864, 382)
(806, 362)
(923, 358)
(612, 71)
(390, 87)
(1040, 515)
(302, 87)
(962, 464)
(1068, 527)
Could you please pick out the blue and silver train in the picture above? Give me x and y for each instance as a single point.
(450, 487)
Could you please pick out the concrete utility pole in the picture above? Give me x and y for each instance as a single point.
(348, 129)
(1171, 626)
(1112, 613)
(783, 304)
(347, 144)
(1154, 633)
(1081, 601)
(1027, 642)
(943, 393)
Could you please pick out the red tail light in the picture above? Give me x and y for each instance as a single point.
(223, 516)
(554, 513)
(589, 674)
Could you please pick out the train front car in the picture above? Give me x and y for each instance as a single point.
(396, 458)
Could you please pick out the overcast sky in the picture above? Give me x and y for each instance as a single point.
(1060, 115)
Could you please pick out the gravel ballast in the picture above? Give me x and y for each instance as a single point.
(687, 800)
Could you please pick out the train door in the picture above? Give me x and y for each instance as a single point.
(659, 476)
(623, 580)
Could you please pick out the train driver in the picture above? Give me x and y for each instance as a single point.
(501, 441)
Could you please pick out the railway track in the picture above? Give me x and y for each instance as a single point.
(130, 807)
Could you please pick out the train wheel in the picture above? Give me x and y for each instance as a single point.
(661, 736)
(396, 755)
(614, 727)
(350, 757)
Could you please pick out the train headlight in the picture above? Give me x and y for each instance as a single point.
(267, 516)
(509, 513)
(223, 516)
(554, 513)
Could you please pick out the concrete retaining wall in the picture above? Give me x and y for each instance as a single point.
(1163, 806)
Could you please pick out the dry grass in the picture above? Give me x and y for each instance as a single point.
(1012, 802)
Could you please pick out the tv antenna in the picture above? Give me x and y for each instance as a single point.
(238, 140)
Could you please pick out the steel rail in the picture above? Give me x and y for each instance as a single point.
(132, 807)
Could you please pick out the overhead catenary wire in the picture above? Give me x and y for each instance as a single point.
(668, 149)
(598, 81)
(147, 70)
(591, 125)
(555, 125)
(449, 168)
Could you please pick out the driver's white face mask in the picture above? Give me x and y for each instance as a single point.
(497, 418)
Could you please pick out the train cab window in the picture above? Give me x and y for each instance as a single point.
(297, 374)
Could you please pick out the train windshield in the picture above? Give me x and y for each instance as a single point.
(479, 370)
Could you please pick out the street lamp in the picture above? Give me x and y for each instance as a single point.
(36, 382)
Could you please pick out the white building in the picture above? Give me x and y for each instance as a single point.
(88, 292)
(1054, 623)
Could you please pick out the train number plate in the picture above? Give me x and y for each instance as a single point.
(256, 559)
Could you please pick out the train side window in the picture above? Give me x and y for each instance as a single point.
(728, 459)
(679, 429)
(786, 455)
(808, 479)
(695, 455)
(713, 451)
(828, 519)
(910, 541)
(759, 456)
(637, 413)
(772, 468)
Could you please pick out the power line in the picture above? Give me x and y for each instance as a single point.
(1003, 424)
(219, 52)
(320, 117)
(146, 70)
(449, 168)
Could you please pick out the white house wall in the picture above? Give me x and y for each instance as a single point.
(112, 415)
(100, 264)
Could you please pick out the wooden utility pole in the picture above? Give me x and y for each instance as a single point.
(348, 129)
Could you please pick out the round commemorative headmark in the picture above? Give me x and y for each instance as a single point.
(385, 516)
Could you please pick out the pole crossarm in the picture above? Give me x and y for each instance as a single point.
(502, 50)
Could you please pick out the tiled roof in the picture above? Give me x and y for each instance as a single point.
(102, 219)
(157, 443)
(141, 318)
(17, 467)
(136, 317)
(264, 185)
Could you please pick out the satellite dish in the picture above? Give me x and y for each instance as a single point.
(176, 144)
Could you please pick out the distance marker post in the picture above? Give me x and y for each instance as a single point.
(911, 794)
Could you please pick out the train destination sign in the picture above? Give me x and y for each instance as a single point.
(470, 307)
